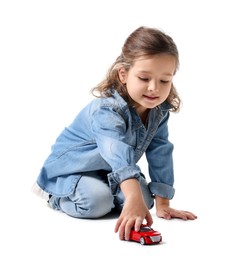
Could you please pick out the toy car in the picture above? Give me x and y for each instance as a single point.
(146, 235)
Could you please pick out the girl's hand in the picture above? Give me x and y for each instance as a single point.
(133, 214)
(163, 210)
(134, 210)
(168, 213)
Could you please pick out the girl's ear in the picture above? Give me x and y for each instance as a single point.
(122, 73)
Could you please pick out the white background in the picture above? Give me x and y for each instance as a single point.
(52, 53)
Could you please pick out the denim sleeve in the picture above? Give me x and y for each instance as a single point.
(110, 130)
(160, 162)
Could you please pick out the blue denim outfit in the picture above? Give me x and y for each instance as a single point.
(103, 144)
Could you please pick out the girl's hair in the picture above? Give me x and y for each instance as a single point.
(144, 41)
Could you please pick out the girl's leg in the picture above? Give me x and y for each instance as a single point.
(148, 198)
(92, 198)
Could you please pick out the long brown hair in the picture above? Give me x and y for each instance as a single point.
(144, 41)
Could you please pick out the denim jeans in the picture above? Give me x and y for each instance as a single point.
(92, 197)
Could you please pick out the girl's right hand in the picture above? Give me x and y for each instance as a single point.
(134, 210)
(132, 215)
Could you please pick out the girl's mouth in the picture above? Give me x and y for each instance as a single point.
(150, 97)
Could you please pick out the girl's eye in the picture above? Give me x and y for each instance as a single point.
(143, 79)
(165, 81)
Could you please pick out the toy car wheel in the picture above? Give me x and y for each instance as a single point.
(142, 241)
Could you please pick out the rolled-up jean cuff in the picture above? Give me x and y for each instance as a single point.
(162, 190)
(115, 178)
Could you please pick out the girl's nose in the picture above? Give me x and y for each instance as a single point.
(152, 86)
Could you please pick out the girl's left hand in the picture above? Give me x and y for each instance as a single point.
(167, 212)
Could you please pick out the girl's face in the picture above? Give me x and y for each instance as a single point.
(149, 80)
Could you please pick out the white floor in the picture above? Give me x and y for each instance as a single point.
(31, 230)
(52, 54)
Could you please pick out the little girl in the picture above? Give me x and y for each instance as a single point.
(93, 169)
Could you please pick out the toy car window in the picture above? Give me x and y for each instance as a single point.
(145, 229)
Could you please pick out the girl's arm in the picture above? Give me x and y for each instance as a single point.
(159, 156)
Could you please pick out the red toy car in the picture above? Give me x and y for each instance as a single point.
(146, 235)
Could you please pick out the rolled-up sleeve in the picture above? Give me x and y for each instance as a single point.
(124, 173)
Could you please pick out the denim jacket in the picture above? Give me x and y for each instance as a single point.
(109, 135)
